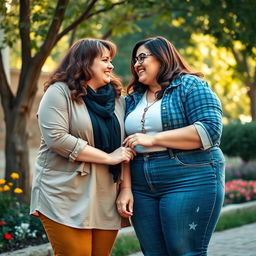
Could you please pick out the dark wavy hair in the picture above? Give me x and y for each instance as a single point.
(75, 68)
(172, 64)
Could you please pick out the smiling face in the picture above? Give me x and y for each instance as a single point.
(101, 70)
(148, 70)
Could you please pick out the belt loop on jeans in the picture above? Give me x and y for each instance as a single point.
(171, 154)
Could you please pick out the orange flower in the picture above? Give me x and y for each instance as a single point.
(6, 188)
(2, 181)
(18, 191)
(15, 175)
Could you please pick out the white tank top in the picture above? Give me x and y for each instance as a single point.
(153, 122)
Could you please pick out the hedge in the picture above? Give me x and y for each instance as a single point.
(239, 140)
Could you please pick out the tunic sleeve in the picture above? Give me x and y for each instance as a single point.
(54, 123)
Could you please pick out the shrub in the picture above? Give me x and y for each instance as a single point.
(239, 140)
(240, 191)
(17, 228)
(244, 170)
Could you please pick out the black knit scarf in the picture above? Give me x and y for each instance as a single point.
(106, 128)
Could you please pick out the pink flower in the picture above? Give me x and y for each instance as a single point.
(248, 198)
(243, 191)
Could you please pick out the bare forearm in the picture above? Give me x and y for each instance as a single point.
(125, 198)
(126, 183)
(93, 155)
(183, 138)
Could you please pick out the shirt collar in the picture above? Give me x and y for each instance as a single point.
(176, 82)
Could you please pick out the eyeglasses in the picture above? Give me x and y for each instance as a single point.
(141, 58)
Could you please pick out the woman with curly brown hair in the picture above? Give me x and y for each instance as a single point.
(78, 168)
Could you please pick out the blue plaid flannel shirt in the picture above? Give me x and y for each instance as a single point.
(188, 100)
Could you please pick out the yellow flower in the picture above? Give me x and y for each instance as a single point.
(1, 189)
(18, 191)
(15, 175)
(2, 181)
(6, 188)
(10, 184)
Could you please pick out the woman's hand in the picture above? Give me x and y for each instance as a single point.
(146, 140)
(122, 154)
(124, 202)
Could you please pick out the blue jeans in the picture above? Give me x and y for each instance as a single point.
(177, 201)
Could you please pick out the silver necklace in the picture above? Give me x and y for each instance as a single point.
(142, 121)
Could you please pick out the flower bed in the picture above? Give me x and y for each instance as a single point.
(17, 228)
(239, 191)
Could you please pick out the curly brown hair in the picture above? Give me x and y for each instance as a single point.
(75, 68)
(172, 64)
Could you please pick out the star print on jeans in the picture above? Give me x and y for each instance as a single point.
(192, 226)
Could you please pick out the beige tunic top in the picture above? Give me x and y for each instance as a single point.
(77, 194)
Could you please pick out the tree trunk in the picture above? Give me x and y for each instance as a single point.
(16, 150)
(252, 96)
(16, 141)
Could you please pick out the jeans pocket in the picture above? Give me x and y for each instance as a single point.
(195, 159)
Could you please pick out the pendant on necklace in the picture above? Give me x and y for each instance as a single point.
(142, 121)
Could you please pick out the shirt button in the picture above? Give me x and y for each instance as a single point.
(163, 107)
(165, 125)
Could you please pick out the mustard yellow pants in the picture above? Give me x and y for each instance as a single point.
(68, 241)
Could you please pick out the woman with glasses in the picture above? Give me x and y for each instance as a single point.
(174, 123)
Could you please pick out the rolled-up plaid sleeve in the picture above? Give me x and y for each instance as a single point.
(203, 109)
(53, 120)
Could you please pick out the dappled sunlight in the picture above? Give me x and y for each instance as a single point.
(49, 65)
(245, 119)
(217, 65)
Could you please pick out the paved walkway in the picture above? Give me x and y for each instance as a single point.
(233, 242)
